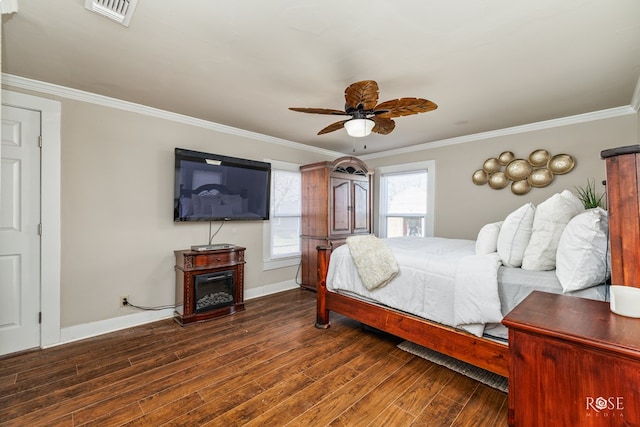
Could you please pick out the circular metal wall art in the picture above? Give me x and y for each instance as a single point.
(491, 165)
(480, 177)
(518, 169)
(540, 178)
(537, 171)
(498, 180)
(520, 187)
(505, 157)
(561, 164)
(539, 158)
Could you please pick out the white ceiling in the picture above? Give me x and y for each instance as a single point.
(488, 64)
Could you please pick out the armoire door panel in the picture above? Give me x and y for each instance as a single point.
(360, 207)
(341, 212)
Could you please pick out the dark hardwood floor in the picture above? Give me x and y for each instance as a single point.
(266, 366)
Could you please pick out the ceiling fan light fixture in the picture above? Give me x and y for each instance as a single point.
(359, 127)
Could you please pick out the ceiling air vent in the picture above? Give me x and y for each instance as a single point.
(120, 11)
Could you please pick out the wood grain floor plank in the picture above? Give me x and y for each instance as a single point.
(341, 399)
(303, 399)
(261, 402)
(460, 388)
(167, 412)
(113, 418)
(392, 416)
(369, 406)
(441, 411)
(420, 393)
(213, 409)
(201, 377)
(65, 400)
(267, 365)
(483, 407)
(7, 381)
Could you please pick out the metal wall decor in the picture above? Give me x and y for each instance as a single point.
(537, 171)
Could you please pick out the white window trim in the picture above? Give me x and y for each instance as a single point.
(269, 263)
(430, 167)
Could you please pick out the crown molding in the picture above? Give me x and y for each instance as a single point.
(105, 101)
(547, 124)
(78, 95)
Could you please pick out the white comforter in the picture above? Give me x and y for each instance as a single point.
(440, 279)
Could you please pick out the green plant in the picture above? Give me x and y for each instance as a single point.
(590, 197)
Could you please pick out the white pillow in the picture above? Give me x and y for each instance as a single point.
(514, 235)
(583, 259)
(487, 241)
(551, 217)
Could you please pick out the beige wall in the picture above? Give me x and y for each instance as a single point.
(462, 207)
(118, 234)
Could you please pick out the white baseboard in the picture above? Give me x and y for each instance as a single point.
(270, 289)
(92, 329)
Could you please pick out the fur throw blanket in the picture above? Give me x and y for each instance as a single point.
(374, 260)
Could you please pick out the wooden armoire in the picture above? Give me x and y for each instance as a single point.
(336, 203)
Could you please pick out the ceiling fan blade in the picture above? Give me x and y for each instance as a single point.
(333, 127)
(319, 111)
(403, 107)
(361, 95)
(383, 125)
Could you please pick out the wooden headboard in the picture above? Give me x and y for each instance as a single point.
(623, 200)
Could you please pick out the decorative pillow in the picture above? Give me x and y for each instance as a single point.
(487, 241)
(551, 217)
(582, 259)
(514, 235)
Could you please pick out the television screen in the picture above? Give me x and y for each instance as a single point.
(211, 187)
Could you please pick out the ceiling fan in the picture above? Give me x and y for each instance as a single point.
(366, 117)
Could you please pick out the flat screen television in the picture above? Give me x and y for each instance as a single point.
(212, 187)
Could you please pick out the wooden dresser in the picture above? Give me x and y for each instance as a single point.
(336, 203)
(572, 362)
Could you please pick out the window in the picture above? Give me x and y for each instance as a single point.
(282, 232)
(406, 199)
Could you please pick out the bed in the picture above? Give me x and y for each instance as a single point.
(411, 306)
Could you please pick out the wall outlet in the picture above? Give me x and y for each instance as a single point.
(123, 300)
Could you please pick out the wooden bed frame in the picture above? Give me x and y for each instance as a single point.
(482, 352)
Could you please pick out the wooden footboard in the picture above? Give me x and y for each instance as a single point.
(482, 352)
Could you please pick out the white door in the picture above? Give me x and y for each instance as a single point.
(19, 230)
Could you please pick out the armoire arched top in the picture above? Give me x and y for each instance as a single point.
(351, 165)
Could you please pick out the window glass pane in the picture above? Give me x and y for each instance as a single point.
(286, 211)
(285, 236)
(406, 193)
(405, 203)
(286, 193)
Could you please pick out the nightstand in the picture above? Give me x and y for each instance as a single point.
(572, 362)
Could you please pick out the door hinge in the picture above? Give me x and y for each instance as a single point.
(40, 229)
(40, 141)
(40, 317)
